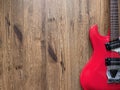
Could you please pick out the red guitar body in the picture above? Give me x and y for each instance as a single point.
(93, 75)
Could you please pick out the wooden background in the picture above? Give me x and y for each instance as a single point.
(44, 44)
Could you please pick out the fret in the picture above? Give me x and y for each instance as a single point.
(114, 18)
(114, 21)
(113, 15)
(114, 34)
(112, 9)
(114, 1)
(114, 26)
(114, 12)
(114, 6)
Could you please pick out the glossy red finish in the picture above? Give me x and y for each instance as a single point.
(93, 75)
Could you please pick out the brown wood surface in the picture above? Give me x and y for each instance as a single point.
(44, 44)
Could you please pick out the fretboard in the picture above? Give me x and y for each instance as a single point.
(114, 22)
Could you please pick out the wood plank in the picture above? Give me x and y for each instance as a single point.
(1, 45)
(35, 44)
(7, 47)
(44, 44)
(18, 50)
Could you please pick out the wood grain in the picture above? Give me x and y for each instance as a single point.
(44, 44)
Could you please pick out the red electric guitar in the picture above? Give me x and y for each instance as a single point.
(102, 72)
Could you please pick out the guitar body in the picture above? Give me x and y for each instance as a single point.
(93, 75)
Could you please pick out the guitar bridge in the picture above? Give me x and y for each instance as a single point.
(113, 70)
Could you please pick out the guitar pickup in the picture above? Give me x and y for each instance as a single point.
(112, 44)
(112, 61)
(113, 70)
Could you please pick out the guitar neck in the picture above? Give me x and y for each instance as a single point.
(114, 22)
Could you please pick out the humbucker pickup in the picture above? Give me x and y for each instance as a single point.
(112, 61)
(113, 44)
